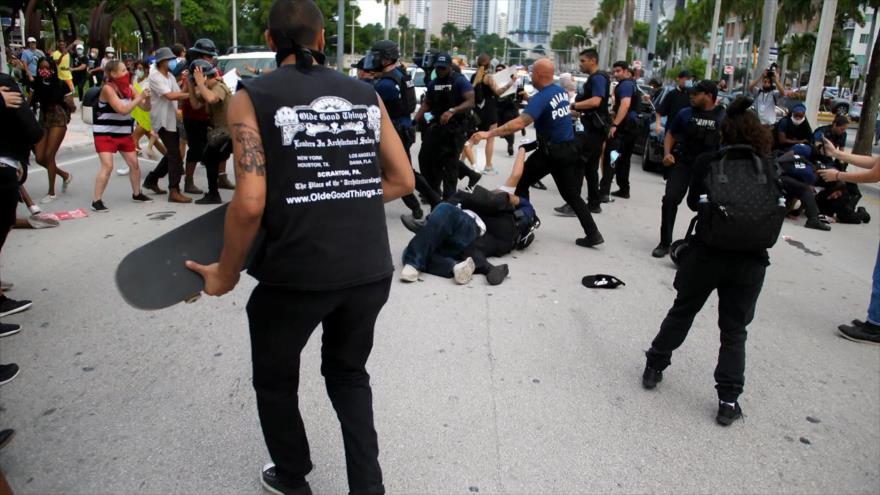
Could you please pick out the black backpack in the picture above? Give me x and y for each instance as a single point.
(744, 208)
(407, 88)
(90, 104)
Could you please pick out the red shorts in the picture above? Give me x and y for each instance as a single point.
(112, 144)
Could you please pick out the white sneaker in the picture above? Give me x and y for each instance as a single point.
(463, 272)
(409, 274)
(35, 210)
(122, 171)
(40, 221)
(48, 199)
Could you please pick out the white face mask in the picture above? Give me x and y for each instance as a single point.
(139, 74)
(798, 121)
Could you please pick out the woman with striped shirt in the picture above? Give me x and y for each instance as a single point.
(113, 130)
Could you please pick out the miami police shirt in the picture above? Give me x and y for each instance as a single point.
(549, 109)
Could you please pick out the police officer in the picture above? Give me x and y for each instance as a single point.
(315, 157)
(621, 134)
(557, 153)
(693, 131)
(448, 101)
(592, 103)
(363, 74)
(675, 100)
(397, 91)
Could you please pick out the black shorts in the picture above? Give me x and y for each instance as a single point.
(196, 139)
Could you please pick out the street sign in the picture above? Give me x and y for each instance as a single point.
(637, 64)
(728, 69)
(855, 71)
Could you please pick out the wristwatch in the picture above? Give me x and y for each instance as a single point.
(451, 110)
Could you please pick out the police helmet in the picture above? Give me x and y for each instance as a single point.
(207, 69)
(678, 250)
(204, 46)
(386, 49)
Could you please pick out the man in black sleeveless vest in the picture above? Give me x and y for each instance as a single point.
(307, 145)
(592, 103)
(693, 131)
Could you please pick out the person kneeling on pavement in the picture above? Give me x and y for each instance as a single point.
(797, 175)
(458, 236)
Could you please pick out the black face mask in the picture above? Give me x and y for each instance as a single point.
(304, 57)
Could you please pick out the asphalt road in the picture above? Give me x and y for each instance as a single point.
(528, 387)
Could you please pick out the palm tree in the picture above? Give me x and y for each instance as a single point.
(387, 22)
(403, 29)
(449, 31)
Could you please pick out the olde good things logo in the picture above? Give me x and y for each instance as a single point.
(327, 115)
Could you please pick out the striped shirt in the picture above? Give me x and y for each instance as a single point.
(110, 123)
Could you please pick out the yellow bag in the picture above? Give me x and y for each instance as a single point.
(141, 116)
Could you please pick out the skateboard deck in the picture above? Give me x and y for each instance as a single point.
(154, 275)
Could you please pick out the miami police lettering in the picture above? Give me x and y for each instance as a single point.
(336, 146)
(559, 112)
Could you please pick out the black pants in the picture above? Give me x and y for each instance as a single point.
(620, 168)
(407, 137)
(794, 188)
(212, 157)
(171, 164)
(590, 143)
(8, 200)
(438, 157)
(567, 172)
(196, 139)
(738, 279)
(678, 180)
(281, 322)
(80, 84)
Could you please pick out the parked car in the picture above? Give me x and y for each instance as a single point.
(247, 64)
(418, 77)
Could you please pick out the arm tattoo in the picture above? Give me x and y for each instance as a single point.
(252, 158)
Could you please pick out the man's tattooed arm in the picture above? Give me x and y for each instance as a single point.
(252, 157)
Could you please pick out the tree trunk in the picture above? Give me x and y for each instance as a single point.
(387, 15)
(865, 135)
(620, 42)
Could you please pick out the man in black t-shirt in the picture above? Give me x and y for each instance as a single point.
(315, 158)
(79, 66)
(793, 132)
(675, 100)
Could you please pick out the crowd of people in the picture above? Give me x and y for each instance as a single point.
(727, 162)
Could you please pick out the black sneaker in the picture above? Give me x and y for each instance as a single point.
(620, 193)
(11, 306)
(590, 240)
(863, 214)
(539, 185)
(651, 377)
(660, 251)
(727, 414)
(473, 178)
(141, 198)
(8, 372)
(273, 484)
(510, 148)
(605, 199)
(7, 329)
(6, 437)
(867, 332)
(412, 224)
(497, 274)
(99, 206)
(528, 145)
(594, 208)
(815, 223)
(418, 214)
(565, 210)
(210, 199)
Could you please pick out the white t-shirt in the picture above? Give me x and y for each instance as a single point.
(765, 105)
(163, 112)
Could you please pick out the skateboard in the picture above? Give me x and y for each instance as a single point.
(154, 276)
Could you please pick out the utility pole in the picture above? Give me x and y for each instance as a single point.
(868, 49)
(652, 37)
(234, 26)
(768, 35)
(820, 59)
(713, 39)
(176, 17)
(340, 36)
(352, 37)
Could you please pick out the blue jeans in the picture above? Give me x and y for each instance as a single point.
(874, 305)
(436, 248)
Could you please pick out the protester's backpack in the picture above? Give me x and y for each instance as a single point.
(744, 207)
(90, 105)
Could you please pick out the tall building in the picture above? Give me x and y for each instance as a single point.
(530, 22)
(442, 11)
(501, 24)
(572, 13)
(643, 10)
(485, 16)
(858, 37)
(416, 11)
